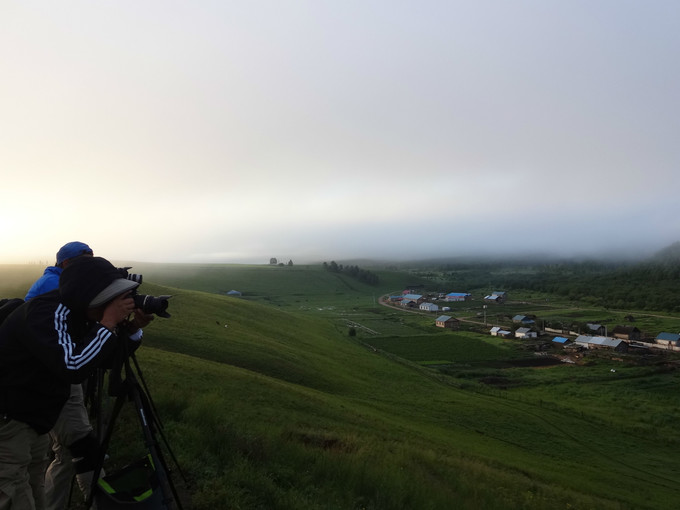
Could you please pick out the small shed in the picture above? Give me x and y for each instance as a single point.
(448, 322)
(596, 329)
(626, 333)
(525, 333)
(560, 340)
(496, 296)
(429, 307)
(498, 331)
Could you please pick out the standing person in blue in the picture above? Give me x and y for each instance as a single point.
(50, 278)
(46, 344)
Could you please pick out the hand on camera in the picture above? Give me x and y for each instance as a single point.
(117, 310)
(141, 319)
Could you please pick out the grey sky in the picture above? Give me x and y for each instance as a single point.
(237, 131)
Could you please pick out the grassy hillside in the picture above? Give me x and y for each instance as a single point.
(16, 279)
(277, 407)
(324, 422)
(298, 287)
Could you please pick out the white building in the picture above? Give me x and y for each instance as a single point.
(429, 307)
(525, 333)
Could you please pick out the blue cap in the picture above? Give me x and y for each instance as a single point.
(72, 249)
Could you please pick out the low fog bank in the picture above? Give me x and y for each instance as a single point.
(634, 255)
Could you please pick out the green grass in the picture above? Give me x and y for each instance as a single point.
(368, 403)
(15, 280)
(454, 347)
(280, 446)
(282, 409)
(306, 288)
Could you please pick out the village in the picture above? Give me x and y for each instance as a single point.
(621, 338)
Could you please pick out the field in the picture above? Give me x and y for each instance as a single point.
(447, 347)
(269, 402)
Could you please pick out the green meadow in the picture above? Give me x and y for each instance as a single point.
(269, 402)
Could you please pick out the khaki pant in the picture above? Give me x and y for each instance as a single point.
(23, 456)
(73, 424)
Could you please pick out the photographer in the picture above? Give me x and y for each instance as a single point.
(50, 277)
(47, 344)
(73, 425)
(72, 435)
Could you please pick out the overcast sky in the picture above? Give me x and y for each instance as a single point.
(236, 131)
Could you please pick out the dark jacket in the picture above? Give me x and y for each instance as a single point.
(46, 345)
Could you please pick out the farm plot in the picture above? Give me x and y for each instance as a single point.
(374, 325)
(459, 347)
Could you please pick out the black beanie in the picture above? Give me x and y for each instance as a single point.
(83, 279)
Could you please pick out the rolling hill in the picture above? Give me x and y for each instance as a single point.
(267, 405)
(372, 431)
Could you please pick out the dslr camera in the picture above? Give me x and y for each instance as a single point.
(148, 304)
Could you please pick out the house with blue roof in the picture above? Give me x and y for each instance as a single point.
(457, 296)
(560, 340)
(668, 339)
(411, 300)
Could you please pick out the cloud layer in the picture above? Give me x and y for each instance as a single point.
(217, 131)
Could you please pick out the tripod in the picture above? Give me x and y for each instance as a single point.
(145, 484)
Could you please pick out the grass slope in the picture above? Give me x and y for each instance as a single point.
(281, 409)
(323, 422)
(299, 287)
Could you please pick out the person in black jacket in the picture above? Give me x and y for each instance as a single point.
(47, 344)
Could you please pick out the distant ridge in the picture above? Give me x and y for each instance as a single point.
(669, 254)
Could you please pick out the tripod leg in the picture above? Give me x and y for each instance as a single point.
(103, 448)
(145, 414)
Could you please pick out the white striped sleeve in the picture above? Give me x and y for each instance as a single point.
(72, 360)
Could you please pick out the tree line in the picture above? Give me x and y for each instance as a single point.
(363, 275)
(650, 285)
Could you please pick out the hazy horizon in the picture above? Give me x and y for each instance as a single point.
(239, 131)
(491, 257)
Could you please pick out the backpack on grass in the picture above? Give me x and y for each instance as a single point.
(134, 486)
